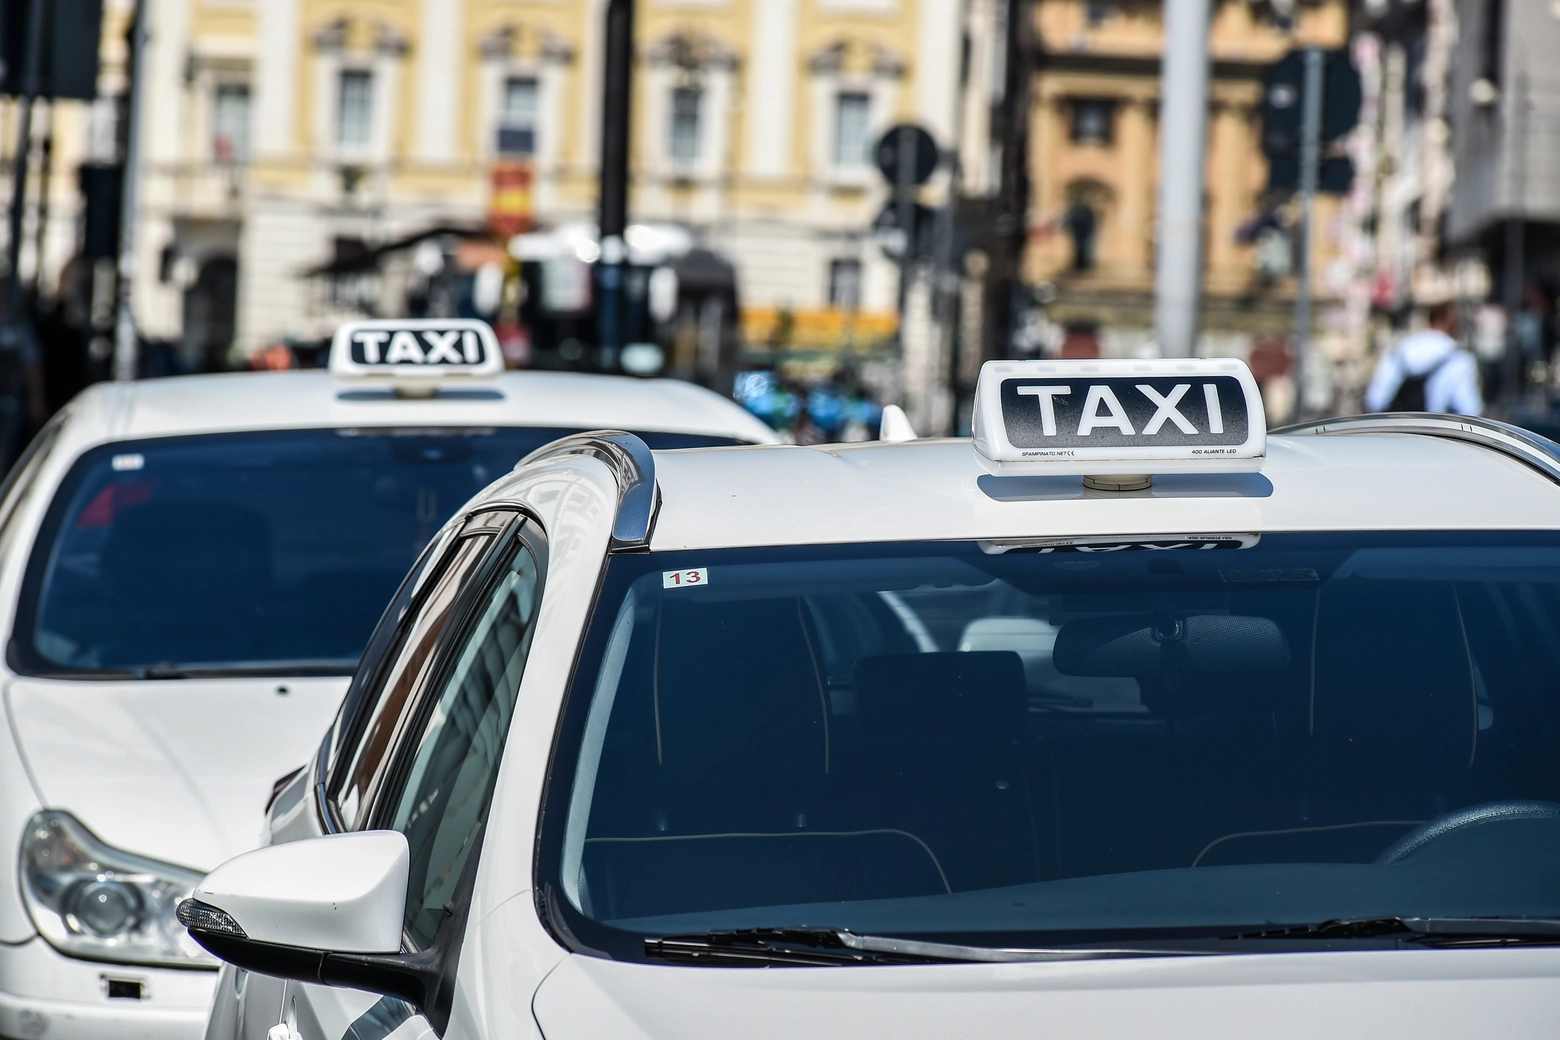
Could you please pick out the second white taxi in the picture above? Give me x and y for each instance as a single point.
(189, 571)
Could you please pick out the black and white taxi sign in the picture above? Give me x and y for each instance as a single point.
(416, 348)
(1176, 415)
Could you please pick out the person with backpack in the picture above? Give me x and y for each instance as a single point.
(1427, 372)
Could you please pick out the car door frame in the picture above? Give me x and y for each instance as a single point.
(326, 1011)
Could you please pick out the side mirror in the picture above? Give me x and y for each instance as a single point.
(325, 910)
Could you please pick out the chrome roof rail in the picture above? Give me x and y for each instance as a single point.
(1527, 447)
(629, 459)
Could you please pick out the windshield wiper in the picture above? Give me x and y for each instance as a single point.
(1429, 931)
(241, 670)
(825, 946)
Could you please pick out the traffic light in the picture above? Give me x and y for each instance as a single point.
(102, 193)
(1334, 176)
(1283, 112)
(68, 47)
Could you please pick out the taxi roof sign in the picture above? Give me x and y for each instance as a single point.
(1174, 415)
(416, 350)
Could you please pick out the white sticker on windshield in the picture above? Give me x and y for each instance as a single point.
(124, 462)
(685, 579)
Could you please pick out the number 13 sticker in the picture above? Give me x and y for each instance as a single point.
(685, 579)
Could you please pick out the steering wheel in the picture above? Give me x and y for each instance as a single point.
(1462, 819)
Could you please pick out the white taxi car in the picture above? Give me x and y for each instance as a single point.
(189, 571)
(1266, 744)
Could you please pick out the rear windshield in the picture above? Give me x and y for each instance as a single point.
(249, 552)
(954, 741)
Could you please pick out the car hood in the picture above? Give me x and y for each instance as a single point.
(1337, 995)
(177, 770)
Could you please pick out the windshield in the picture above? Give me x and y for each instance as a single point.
(1094, 740)
(269, 551)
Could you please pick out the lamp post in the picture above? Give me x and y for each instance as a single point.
(617, 99)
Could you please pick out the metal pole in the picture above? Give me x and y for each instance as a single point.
(617, 93)
(945, 284)
(1516, 230)
(1010, 214)
(1310, 160)
(125, 339)
(904, 201)
(19, 170)
(14, 365)
(1182, 133)
(45, 177)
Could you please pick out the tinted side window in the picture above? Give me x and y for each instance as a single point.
(449, 768)
(405, 670)
(429, 566)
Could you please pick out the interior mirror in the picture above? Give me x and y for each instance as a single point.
(1143, 645)
(324, 910)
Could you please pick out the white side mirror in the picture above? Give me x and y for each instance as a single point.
(343, 893)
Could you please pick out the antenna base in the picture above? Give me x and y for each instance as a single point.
(1118, 481)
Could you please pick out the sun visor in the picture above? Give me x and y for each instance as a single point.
(1139, 418)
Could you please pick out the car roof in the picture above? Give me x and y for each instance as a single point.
(936, 490)
(312, 399)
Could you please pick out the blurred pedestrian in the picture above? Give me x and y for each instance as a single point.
(1080, 222)
(1428, 371)
(278, 357)
(1534, 326)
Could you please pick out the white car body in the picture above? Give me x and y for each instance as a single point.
(516, 978)
(148, 765)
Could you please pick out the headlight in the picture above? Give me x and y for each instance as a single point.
(90, 900)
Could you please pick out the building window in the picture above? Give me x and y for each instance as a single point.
(1092, 121)
(230, 123)
(845, 284)
(355, 107)
(851, 113)
(686, 103)
(517, 117)
(1097, 12)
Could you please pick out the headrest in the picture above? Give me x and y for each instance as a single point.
(739, 675)
(970, 693)
(1392, 669)
(203, 538)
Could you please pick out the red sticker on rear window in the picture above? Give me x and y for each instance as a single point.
(106, 504)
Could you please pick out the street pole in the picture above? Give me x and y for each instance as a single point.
(19, 170)
(945, 282)
(617, 93)
(904, 202)
(125, 340)
(1182, 134)
(1516, 233)
(1310, 161)
(45, 180)
(1010, 214)
(13, 362)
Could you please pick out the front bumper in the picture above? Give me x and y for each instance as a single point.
(45, 995)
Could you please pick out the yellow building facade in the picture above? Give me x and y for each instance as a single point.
(281, 132)
(1095, 142)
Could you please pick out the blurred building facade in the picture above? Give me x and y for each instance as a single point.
(1504, 121)
(289, 136)
(283, 133)
(1094, 162)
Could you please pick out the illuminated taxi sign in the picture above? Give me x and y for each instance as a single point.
(1180, 415)
(416, 349)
